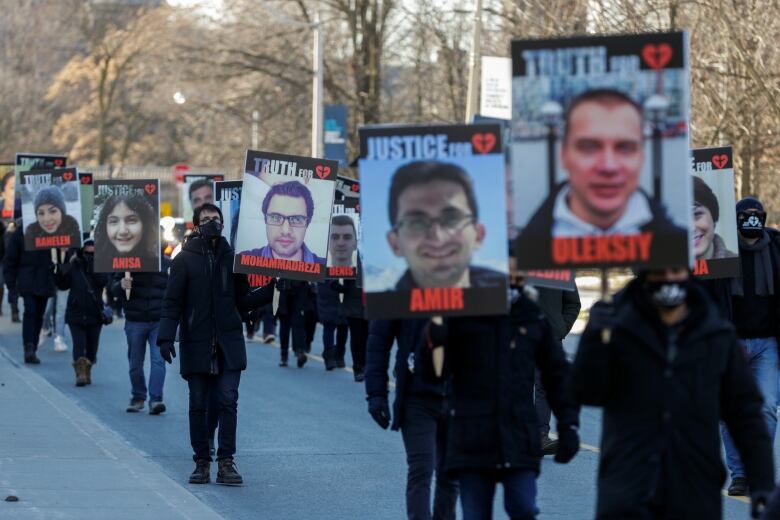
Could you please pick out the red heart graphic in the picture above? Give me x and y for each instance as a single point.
(150, 188)
(657, 56)
(483, 143)
(86, 179)
(58, 162)
(322, 171)
(720, 160)
(355, 187)
(67, 176)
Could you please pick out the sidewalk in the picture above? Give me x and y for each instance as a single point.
(61, 462)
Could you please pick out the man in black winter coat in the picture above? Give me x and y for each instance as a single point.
(142, 324)
(494, 430)
(419, 411)
(205, 299)
(30, 273)
(666, 368)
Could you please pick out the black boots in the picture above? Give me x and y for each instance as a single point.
(301, 358)
(283, 359)
(15, 313)
(328, 355)
(29, 354)
(227, 474)
(201, 473)
(81, 366)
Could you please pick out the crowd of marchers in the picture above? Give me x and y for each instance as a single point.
(679, 366)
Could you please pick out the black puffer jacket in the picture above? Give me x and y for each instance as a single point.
(85, 299)
(30, 272)
(145, 303)
(205, 299)
(663, 406)
(493, 421)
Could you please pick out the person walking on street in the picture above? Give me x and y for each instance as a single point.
(666, 369)
(334, 327)
(30, 274)
(85, 314)
(142, 323)
(351, 310)
(419, 411)
(755, 308)
(561, 308)
(293, 300)
(205, 300)
(493, 429)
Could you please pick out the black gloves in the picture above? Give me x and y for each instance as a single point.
(167, 351)
(380, 411)
(758, 501)
(568, 444)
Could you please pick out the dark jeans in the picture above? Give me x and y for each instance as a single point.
(334, 338)
(269, 323)
(294, 324)
(478, 487)
(225, 386)
(543, 412)
(310, 319)
(85, 341)
(139, 333)
(424, 432)
(358, 338)
(32, 321)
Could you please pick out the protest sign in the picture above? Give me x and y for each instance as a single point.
(25, 162)
(7, 185)
(496, 88)
(343, 260)
(51, 209)
(335, 133)
(195, 190)
(227, 197)
(599, 134)
(715, 242)
(552, 279)
(286, 204)
(87, 202)
(434, 240)
(347, 188)
(127, 225)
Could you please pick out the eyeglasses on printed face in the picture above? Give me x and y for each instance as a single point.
(276, 219)
(420, 225)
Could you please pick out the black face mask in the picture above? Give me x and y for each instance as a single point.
(751, 225)
(211, 229)
(667, 295)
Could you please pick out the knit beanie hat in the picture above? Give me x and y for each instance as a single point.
(749, 202)
(703, 195)
(50, 195)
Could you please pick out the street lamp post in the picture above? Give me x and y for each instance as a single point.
(655, 109)
(551, 114)
(255, 129)
(316, 105)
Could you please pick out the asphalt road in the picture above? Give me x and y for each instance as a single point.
(307, 448)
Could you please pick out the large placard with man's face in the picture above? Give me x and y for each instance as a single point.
(286, 204)
(599, 144)
(434, 229)
(715, 242)
(127, 226)
(51, 209)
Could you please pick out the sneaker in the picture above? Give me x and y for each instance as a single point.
(29, 355)
(549, 446)
(283, 359)
(59, 344)
(201, 473)
(301, 359)
(269, 338)
(227, 474)
(340, 363)
(738, 487)
(156, 407)
(136, 405)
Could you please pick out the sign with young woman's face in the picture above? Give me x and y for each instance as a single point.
(714, 229)
(26, 162)
(51, 209)
(127, 226)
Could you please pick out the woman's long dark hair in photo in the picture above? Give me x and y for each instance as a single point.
(148, 248)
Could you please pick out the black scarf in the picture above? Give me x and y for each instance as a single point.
(764, 271)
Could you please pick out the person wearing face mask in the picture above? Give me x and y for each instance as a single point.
(205, 300)
(493, 432)
(755, 305)
(84, 313)
(667, 369)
